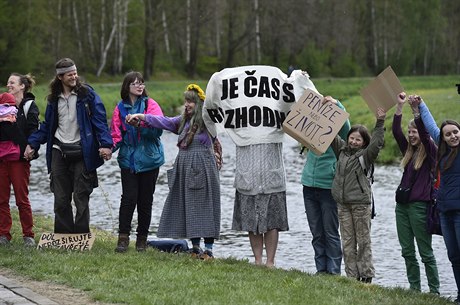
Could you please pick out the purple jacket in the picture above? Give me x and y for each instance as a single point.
(421, 189)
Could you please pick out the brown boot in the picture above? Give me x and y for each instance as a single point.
(141, 243)
(123, 243)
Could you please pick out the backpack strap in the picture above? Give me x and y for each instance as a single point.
(123, 114)
(26, 107)
(369, 172)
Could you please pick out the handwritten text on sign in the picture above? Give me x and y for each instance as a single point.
(313, 123)
(81, 242)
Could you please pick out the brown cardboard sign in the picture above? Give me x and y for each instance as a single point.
(382, 91)
(81, 242)
(313, 123)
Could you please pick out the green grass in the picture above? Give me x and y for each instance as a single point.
(160, 278)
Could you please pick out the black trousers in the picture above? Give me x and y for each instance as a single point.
(137, 191)
(70, 180)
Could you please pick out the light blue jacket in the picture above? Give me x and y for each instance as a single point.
(140, 147)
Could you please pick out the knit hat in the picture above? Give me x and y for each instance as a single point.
(7, 98)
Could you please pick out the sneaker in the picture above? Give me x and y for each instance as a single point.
(4, 241)
(29, 241)
(207, 255)
(197, 253)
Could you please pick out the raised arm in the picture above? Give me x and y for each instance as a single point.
(419, 106)
(396, 125)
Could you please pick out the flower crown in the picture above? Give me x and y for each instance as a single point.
(198, 90)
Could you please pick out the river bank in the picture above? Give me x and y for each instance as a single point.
(294, 250)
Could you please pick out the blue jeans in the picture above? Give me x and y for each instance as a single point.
(321, 210)
(450, 226)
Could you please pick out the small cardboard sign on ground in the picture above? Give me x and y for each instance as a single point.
(382, 91)
(313, 123)
(81, 242)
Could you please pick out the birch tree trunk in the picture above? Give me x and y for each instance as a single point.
(187, 34)
(217, 25)
(89, 32)
(105, 46)
(149, 38)
(121, 35)
(77, 28)
(257, 28)
(374, 36)
(165, 29)
(56, 39)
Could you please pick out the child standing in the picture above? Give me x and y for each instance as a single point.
(353, 194)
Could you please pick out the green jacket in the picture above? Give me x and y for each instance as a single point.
(350, 185)
(319, 171)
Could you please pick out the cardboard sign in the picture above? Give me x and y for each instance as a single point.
(81, 242)
(313, 123)
(382, 91)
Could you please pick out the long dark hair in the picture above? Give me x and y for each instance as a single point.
(196, 119)
(443, 147)
(131, 77)
(56, 84)
(362, 130)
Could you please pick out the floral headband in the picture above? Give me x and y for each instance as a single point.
(198, 90)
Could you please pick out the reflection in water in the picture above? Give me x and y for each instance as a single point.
(295, 250)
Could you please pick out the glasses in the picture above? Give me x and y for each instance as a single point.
(137, 85)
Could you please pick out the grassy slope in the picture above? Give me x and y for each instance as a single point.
(159, 278)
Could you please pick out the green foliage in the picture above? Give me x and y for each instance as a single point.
(208, 65)
(314, 60)
(346, 65)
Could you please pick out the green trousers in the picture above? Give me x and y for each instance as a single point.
(411, 224)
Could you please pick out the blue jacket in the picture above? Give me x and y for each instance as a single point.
(92, 121)
(140, 147)
(448, 196)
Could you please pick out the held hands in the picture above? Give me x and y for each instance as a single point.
(135, 119)
(414, 102)
(29, 153)
(105, 153)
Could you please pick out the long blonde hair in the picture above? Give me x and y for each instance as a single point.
(417, 152)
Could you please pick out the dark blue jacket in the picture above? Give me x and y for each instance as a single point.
(92, 120)
(448, 197)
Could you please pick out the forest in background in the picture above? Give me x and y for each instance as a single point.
(195, 38)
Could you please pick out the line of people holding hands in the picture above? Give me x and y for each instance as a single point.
(337, 193)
